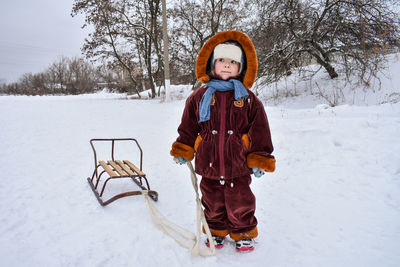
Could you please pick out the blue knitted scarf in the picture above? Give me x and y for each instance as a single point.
(220, 85)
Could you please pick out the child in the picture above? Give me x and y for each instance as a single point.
(224, 124)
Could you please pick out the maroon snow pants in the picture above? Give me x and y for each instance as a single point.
(229, 210)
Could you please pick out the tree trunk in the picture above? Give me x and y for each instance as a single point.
(326, 64)
(331, 70)
(149, 72)
(165, 44)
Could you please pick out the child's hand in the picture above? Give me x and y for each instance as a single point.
(258, 173)
(180, 160)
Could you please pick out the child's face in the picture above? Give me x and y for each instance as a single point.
(226, 68)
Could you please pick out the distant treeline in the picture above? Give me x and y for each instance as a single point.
(343, 37)
(64, 76)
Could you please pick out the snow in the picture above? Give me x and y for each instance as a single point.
(305, 88)
(334, 199)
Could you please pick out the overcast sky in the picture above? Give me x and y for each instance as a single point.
(34, 33)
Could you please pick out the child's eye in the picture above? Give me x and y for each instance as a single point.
(221, 60)
(234, 62)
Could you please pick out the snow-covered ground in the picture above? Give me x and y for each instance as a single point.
(307, 89)
(334, 199)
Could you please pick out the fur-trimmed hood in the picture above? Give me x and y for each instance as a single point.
(250, 66)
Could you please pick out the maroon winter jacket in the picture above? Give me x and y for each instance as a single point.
(237, 136)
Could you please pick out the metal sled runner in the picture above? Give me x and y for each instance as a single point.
(117, 169)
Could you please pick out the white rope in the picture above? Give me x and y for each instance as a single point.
(184, 237)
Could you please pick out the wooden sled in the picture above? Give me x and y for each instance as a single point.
(118, 169)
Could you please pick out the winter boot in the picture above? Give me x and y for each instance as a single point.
(218, 241)
(245, 245)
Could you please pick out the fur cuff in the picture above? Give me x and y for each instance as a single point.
(248, 235)
(261, 162)
(182, 150)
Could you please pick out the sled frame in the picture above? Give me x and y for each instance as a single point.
(118, 169)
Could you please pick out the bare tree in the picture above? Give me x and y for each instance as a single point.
(81, 77)
(350, 33)
(126, 33)
(276, 50)
(104, 43)
(58, 74)
(33, 84)
(63, 76)
(147, 34)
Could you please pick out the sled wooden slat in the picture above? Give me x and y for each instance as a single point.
(117, 168)
(125, 168)
(113, 169)
(107, 169)
(133, 167)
